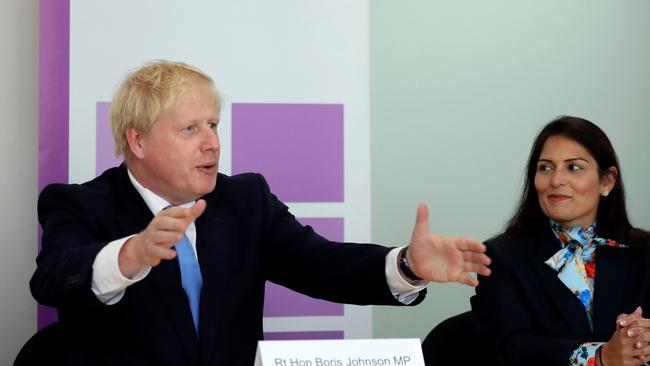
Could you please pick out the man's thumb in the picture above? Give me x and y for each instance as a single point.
(198, 208)
(422, 219)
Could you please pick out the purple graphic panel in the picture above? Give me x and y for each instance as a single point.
(54, 62)
(297, 147)
(282, 336)
(104, 143)
(280, 301)
(330, 228)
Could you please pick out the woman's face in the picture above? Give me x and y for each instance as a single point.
(568, 182)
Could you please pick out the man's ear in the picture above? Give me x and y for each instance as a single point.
(134, 139)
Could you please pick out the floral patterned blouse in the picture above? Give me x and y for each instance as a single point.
(575, 263)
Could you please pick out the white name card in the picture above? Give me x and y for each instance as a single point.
(344, 352)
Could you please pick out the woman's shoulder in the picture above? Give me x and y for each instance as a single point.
(508, 249)
(638, 238)
(503, 242)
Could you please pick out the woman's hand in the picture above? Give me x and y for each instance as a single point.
(629, 344)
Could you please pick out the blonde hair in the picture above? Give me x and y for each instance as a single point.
(151, 91)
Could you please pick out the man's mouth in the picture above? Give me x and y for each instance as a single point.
(209, 168)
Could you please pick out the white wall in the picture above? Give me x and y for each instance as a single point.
(19, 181)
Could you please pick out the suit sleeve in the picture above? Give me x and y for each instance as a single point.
(299, 258)
(69, 246)
(502, 316)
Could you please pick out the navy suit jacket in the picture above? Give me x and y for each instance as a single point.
(534, 319)
(244, 238)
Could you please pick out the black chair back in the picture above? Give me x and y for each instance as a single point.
(43, 348)
(456, 342)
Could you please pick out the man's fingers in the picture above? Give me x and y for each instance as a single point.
(169, 224)
(476, 263)
(156, 253)
(469, 244)
(177, 219)
(479, 258)
(155, 242)
(184, 213)
(166, 239)
(467, 279)
(166, 253)
(476, 268)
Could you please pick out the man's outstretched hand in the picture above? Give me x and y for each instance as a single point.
(440, 258)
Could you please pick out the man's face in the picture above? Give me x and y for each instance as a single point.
(180, 155)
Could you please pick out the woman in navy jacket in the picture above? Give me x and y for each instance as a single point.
(570, 281)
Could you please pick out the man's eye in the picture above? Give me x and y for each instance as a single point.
(190, 128)
(212, 125)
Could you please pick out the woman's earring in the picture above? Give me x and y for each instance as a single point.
(605, 194)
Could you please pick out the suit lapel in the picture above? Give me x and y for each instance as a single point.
(611, 273)
(559, 295)
(133, 217)
(215, 228)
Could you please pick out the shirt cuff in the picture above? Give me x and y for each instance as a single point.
(585, 354)
(403, 290)
(108, 282)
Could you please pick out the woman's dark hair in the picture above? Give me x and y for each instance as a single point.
(612, 217)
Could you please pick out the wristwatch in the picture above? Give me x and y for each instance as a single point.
(404, 266)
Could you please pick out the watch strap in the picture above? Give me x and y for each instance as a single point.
(404, 266)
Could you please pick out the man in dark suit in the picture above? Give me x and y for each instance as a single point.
(154, 263)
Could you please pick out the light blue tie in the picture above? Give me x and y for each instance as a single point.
(190, 277)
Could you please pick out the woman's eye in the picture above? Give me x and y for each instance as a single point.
(543, 168)
(574, 167)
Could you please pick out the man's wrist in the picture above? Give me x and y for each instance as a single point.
(127, 261)
(405, 267)
(108, 282)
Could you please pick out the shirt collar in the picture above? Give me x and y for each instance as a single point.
(153, 201)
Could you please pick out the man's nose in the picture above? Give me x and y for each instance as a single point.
(210, 140)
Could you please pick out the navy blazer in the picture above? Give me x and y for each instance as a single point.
(244, 238)
(534, 319)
